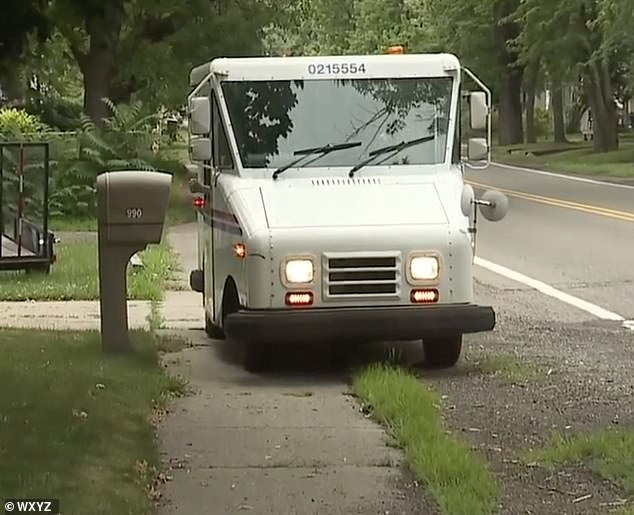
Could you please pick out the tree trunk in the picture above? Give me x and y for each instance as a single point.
(97, 73)
(121, 90)
(559, 123)
(98, 64)
(510, 126)
(602, 106)
(529, 90)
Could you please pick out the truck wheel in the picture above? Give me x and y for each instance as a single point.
(442, 352)
(212, 330)
(256, 357)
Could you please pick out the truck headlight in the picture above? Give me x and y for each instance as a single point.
(423, 268)
(299, 271)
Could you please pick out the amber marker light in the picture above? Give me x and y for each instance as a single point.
(395, 49)
(299, 298)
(240, 250)
(424, 296)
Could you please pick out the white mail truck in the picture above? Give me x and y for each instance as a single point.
(331, 200)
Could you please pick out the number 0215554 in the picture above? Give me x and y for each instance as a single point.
(335, 68)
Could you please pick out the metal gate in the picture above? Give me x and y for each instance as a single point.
(27, 243)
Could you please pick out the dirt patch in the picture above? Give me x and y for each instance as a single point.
(579, 379)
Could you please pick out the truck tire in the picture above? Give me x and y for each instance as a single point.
(212, 330)
(442, 352)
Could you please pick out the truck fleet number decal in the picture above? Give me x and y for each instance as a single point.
(134, 212)
(337, 68)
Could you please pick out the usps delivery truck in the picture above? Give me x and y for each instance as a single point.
(331, 201)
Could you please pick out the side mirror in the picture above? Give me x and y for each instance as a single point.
(200, 149)
(477, 149)
(478, 110)
(199, 116)
(493, 205)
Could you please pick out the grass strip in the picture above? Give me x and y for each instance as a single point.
(459, 480)
(577, 158)
(75, 276)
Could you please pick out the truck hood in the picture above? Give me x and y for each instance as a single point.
(341, 202)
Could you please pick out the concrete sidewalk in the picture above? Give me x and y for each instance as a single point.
(179, 310)
(288, 442)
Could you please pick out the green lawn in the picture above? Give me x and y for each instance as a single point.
(459, 480)
(76, 424)
(575, 158)
(74, 276)
(72, 224)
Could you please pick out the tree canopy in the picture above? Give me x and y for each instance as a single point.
(81, 51)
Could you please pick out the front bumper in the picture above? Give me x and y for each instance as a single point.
(357, 324)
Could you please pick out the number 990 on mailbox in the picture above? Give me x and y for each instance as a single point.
(131, 205)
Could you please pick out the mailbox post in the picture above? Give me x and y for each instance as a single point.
(131, 209)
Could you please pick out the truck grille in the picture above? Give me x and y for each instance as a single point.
(361, 276)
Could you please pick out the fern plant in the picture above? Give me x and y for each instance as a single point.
(125, 143)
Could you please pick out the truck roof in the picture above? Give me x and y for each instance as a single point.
(316, 67)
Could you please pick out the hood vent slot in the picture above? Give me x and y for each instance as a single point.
(345, 181)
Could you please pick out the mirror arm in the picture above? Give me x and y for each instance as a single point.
(195, 186)
(473, 229)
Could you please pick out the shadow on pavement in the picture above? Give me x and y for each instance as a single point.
(326, 360)
(324, 363)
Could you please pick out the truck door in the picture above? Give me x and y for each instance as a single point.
(207, 238)
(222, 163)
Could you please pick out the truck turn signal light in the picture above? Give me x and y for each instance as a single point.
(424, 296)
(304, 298)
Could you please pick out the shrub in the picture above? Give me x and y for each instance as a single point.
(57, 112)
(17, 123)
(125, 143)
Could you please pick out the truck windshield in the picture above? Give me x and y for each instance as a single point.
(272, 119)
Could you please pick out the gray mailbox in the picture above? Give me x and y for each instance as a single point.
(131, 209)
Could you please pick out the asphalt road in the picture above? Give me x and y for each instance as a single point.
(575, 236)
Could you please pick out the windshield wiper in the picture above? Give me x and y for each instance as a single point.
(390, 148)
(307, 152)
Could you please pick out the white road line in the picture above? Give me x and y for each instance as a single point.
(546, 289)
(563, 176)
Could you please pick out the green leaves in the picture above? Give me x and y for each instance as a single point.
(17, 123)
(19, 19)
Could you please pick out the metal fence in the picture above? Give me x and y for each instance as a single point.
(24, 198)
